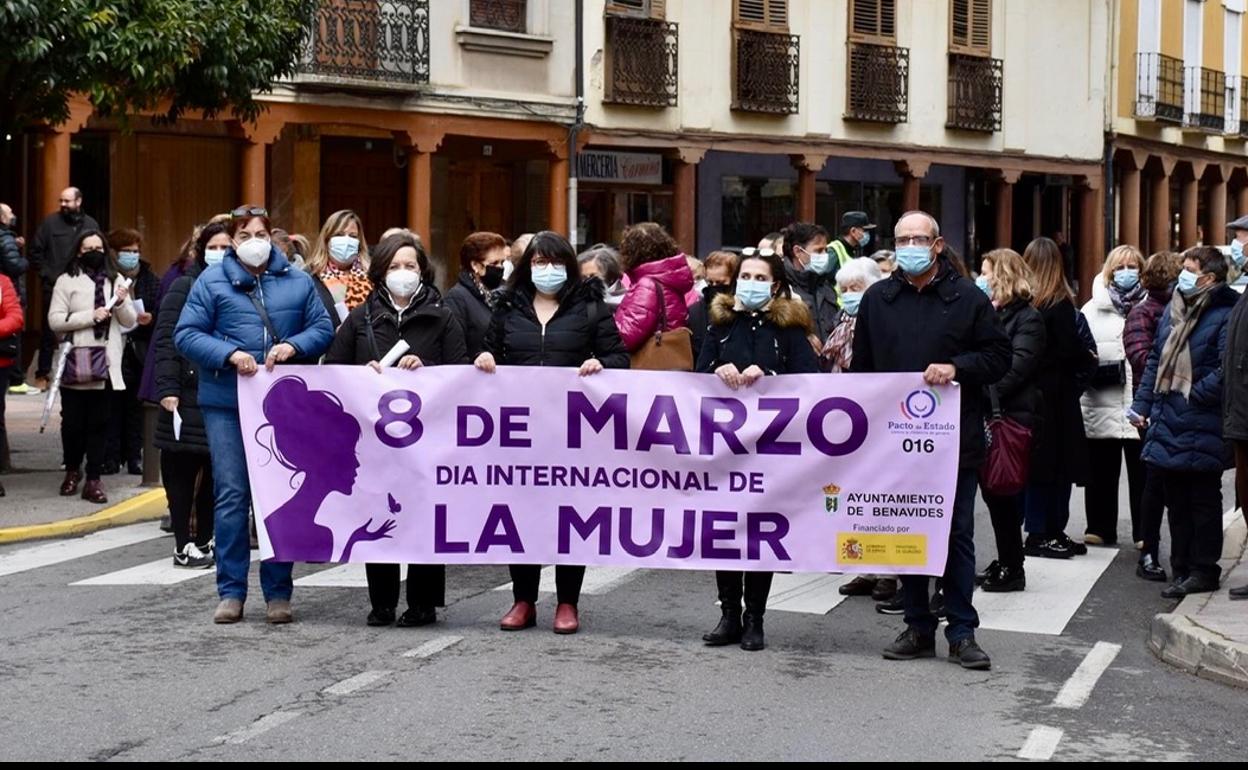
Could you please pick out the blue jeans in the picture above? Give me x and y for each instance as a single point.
(1046, 508)
(959, 580)
(233, 502)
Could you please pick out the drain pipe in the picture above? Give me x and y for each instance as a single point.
(573, 234)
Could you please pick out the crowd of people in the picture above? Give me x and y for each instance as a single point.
(1149, 373)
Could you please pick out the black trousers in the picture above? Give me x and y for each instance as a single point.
(1007, 526)
(187, 477)
(526, 578)
(1195, 503)
(1152, 511)
(125, 427)
(1101, 496)
(4, 435)
(84, 427)
(426, 585)
(753, 586)
(1241, 474)
(47, 340)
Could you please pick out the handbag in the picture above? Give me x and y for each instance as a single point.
(85, 365)
(668, 350)
(1009, 452)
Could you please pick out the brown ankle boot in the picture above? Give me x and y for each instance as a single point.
(93, 491)
(69, 486)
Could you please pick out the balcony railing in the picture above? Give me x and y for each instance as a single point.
(1159, 89)
(505, 15)
(974, 93)
(765, 69)
(641, 63)
(370, 40)
(1209, 87)
(879, 83)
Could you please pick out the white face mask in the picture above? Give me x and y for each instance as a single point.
(403, 283)
(508, 268)
(253, 252)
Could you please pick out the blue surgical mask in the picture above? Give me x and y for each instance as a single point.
(753, 294)
(850, 301)
(1237, 253)
(128, 260)
(344, 248)
(819, 261)
(214, 256)
(914, 260)
(866, 238)
(1127, 278)
(1187, 282)
(549, 279)
(984, 286)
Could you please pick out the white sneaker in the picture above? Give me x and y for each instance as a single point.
(190, 557)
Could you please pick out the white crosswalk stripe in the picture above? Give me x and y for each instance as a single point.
(1055, 591)
(815, 594)
(155, 573)
(342, 576)
(48, 554)
(598, 580)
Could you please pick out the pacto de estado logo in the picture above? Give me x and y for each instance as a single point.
(920, 404)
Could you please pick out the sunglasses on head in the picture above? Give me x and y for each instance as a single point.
(750, 251)
(249, 211)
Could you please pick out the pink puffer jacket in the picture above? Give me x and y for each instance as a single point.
(638, 314)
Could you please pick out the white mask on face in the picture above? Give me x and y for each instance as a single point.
(508, 267)
(253, 252)
(403, 283)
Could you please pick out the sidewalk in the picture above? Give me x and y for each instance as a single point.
(1207, 634)
(34, 508)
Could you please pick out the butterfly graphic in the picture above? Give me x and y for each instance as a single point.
(394, 504)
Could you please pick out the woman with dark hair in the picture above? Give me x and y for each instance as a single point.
(89, 310)
(252, 307)
(181, 263)
(404, 306)
(125, 430)
(757, 330)
(1158, 276)
(1060, 454)
(548, 317)
(484, 267)
(810, 271)
(185, 458)
(1179, 404)
(658, 272)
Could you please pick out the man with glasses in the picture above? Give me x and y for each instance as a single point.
(50, 252)
(927, 318)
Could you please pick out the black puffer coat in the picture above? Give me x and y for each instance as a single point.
(773, 339)
(175, 375)
(1019, 390)
(430, 330)
(582, 328)
(468, 304)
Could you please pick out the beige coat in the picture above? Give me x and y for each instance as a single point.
(71, 316)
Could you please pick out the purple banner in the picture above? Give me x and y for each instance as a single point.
(802, 473)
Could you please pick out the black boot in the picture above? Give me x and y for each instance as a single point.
(1005, 579)
(752, 632)
(728, 631)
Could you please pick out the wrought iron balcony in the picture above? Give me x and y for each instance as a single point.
(505, 15)
(641, 62)
(1210, 86)
(385, 41)
(1159, 89)
(879, 83)
(765, 70)
(974, 93)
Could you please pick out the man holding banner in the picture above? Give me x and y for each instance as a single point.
(926, 318)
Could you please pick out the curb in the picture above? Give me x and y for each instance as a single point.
(148, 506)
(1179, 639)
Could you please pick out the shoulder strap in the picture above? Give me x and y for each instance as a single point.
(368, 327)
(264, 315)
(658, 333)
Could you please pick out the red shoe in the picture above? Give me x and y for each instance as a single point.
(93, 492)
(566, 621)
(522, 615)
(69, 486)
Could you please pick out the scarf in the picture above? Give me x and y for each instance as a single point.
(1124, 301)
(838, 351)
(350, 286)
(100, 328)
(1174, 368)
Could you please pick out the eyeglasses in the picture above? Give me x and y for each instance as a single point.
(750, 251)
(914, 240)
(249, 211)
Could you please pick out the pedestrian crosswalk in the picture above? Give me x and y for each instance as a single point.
(1056, 589)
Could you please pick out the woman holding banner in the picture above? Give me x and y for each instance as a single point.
(758, 330)
(404, 307)
(549, 317)
(253, 309)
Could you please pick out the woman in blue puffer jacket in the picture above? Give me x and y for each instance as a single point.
(1180, 403)
(254, 307)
